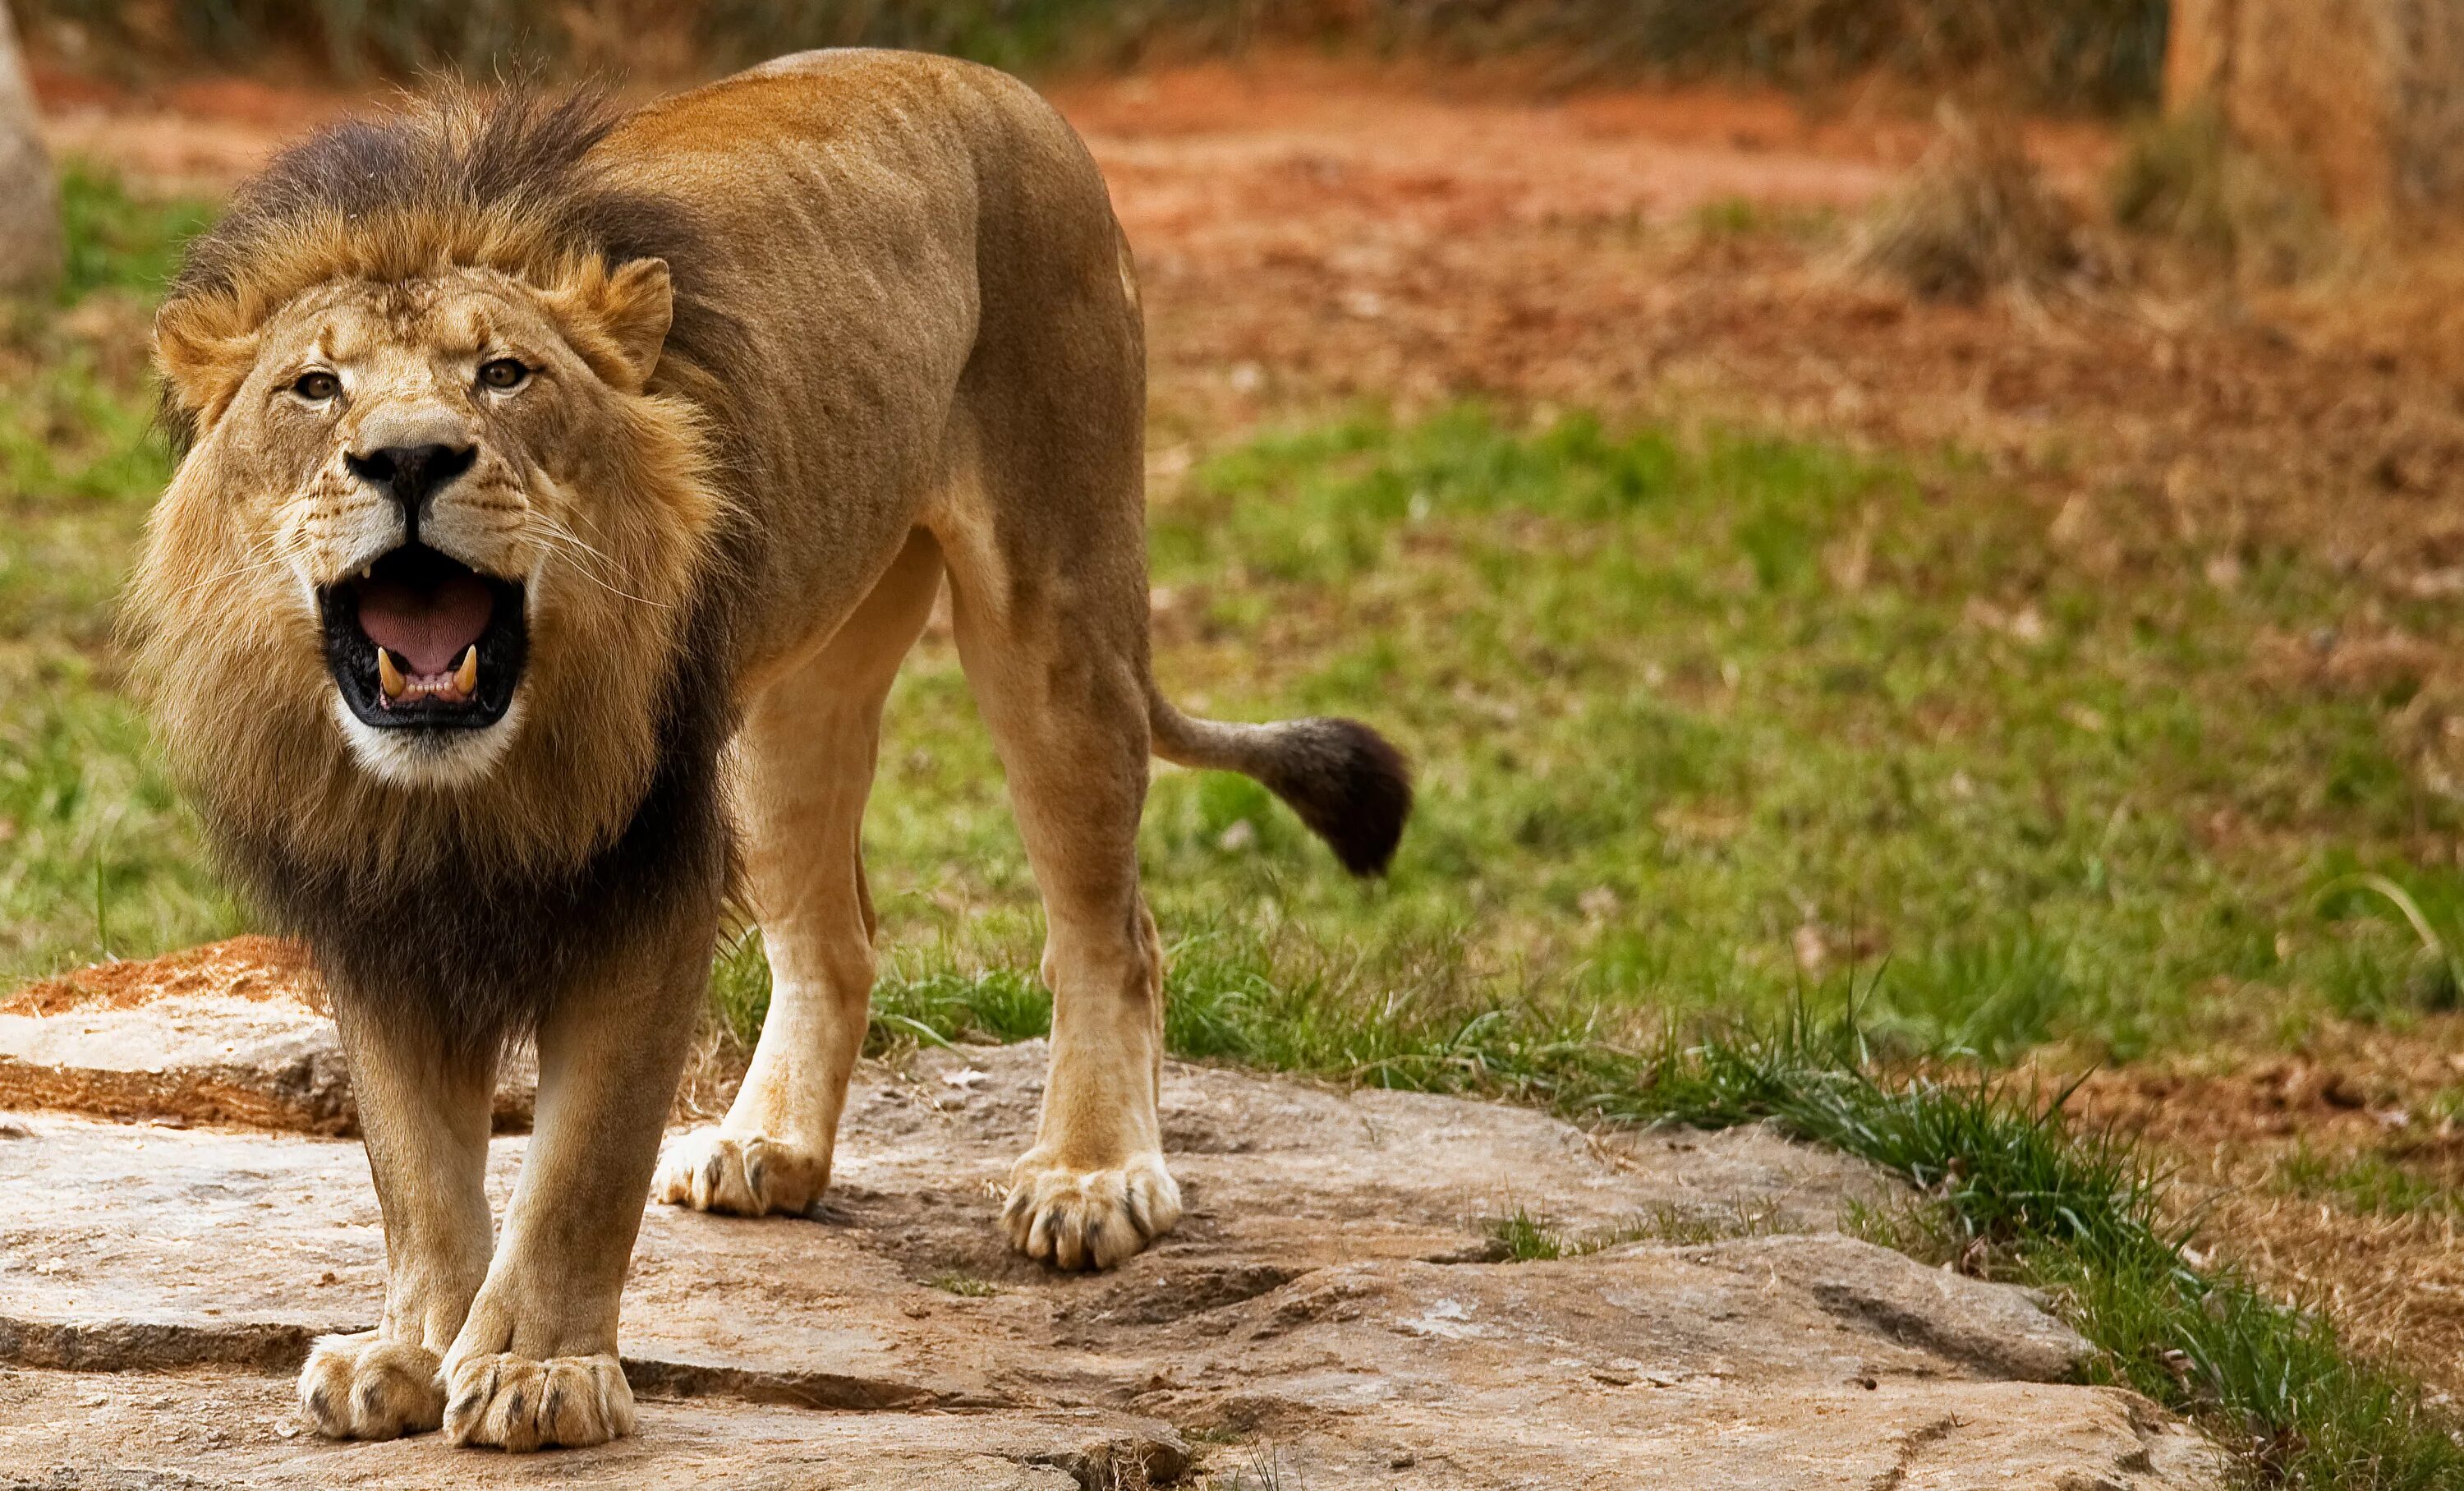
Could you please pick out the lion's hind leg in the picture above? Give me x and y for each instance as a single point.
(806, 749)
(1045, 540)
(1057, 661)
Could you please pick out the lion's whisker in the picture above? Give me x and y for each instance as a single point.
(270, 561)
(561, 541)
(561, 531)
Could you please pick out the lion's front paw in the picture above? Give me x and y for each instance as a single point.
(522, 1403)
(367, 1387)
(1088, 1218)
(747, 1174)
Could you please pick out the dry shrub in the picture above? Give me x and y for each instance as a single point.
(2184, 179)
(2094, 54)
(1974, 216)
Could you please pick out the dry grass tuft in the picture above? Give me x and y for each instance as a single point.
(2333, 1177)
(1975, 216)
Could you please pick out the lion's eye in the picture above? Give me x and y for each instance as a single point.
(503, 372)
(317, 386)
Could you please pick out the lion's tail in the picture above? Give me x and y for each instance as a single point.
(1346, 782)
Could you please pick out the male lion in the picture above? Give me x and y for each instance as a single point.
(537, 457)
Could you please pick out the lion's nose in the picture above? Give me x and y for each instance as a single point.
(410, 475)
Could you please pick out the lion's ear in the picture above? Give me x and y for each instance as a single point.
(202, 359)
(620, 321)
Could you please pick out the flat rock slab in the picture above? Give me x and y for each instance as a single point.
(201, 1430)
(231, 1033)
(1332, 1293)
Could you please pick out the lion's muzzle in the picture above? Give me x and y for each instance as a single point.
(419, 641)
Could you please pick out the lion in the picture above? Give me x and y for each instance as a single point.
(559, 489)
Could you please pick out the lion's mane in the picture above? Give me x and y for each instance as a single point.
(472, 908)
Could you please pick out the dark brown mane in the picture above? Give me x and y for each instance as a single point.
(476, 953)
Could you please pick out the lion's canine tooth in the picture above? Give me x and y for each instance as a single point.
(389, 676)
(466, 677)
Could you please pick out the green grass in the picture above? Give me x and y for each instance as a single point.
(2373, 1184)
(1524, 1239)
(96, 856)
(122, 242)
(1700, 713)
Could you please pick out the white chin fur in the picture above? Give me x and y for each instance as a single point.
(434, 760)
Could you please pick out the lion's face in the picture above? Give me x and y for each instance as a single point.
(439, 515)
(404, 445)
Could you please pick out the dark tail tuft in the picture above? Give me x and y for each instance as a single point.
(1349, 784)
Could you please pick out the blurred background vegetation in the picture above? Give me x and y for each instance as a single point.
(2086, 55)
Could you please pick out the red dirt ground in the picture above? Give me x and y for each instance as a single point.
(1424, 136)
(244, 967)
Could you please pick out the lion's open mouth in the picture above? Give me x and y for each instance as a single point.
(419, 641)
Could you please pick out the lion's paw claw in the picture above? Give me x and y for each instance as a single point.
(1088, 1218)
(522, 1403)
(745, 1174)
(367, 1387)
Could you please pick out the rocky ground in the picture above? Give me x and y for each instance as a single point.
(1336, 1309)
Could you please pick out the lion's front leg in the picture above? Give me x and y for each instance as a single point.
(535, 1363)
(424, 1108)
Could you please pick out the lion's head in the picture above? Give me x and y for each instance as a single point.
(422, 581)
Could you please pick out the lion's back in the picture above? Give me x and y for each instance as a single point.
(864, 225)
(846, 137)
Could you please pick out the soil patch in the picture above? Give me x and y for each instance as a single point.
(247, 968)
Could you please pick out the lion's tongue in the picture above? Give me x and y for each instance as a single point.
(426, 628)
